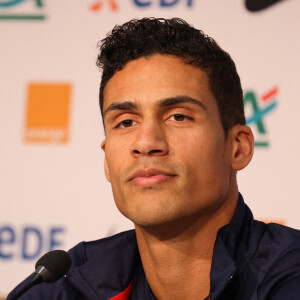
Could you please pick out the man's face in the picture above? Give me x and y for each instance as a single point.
(165, 150)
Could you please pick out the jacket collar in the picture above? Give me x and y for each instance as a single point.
(110, 271)
(230, 242)
(99, 277)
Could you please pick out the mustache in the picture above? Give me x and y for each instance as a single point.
(170, 168)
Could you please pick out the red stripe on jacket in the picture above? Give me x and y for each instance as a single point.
(124, 295)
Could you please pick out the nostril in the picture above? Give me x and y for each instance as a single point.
(151, 152)
(154, 151)
(136, 152)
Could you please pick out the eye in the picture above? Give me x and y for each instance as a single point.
(179, 117)
(125, 124)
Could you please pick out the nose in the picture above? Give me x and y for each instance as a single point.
(150, 140)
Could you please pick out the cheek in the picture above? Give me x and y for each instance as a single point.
(115, 155)
(115, 159)
(206, 155)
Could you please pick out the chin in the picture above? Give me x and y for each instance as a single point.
(147, 219)
(162, 219)
(151, 223)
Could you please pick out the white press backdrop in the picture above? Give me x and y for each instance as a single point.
(53, 192)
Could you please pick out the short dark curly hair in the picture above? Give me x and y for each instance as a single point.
(149, 36)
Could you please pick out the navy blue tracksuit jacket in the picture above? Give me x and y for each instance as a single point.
(251, 261)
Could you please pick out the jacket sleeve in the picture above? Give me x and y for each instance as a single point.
(60, 290)
(288, 290)
(34, 293)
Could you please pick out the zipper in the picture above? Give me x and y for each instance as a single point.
(230, 277)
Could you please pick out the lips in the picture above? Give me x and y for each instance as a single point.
(150, 176)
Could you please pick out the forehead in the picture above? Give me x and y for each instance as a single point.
(150, 79)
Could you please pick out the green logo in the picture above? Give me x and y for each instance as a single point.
(259, 109)
(9, 10)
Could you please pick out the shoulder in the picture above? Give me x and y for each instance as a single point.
(278, 259)
(279, 241)
(278, 246)
(85, 251)
(80, 254)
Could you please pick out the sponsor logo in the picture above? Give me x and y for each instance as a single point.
(258, 5)
(98, 5)
(47, 115)
(259, 108)
(162, 3)
(277, 221)
(21, 10)
(29, 242)
(113, 5)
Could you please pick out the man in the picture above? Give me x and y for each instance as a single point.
(175, 137)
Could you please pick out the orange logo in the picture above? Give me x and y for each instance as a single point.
(277, 221)
(99, 3)
(47, 119)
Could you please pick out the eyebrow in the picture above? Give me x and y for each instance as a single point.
(130, 105)
(181, 99)
(126, 105)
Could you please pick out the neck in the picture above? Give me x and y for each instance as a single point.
(173, 252)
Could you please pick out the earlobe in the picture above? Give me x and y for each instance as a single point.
(106, 170)
(243, 146)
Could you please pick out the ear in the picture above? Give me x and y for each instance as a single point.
(105, 163)
(243, 146)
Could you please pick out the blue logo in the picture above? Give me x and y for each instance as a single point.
(7, 10)
(29, 242)
(163, 3)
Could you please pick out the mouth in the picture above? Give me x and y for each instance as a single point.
(149, 177)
